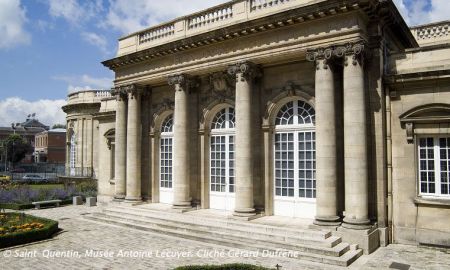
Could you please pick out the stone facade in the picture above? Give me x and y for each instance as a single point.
(313, 109)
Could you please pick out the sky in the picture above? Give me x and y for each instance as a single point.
(49, 48)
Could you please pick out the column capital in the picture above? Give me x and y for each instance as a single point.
(183, 81)
(351, 49)
(119, 93)
(245, 70)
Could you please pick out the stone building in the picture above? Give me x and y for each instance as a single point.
(334, 111)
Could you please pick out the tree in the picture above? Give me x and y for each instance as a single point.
(17, 147)
(55, 126)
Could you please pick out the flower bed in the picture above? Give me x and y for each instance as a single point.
(236, 266)
(18, 229)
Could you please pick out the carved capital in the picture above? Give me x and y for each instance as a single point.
(244, 71)
(183, 81)
(352, 50)
(119, 93)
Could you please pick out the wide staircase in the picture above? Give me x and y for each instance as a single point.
(309, 244)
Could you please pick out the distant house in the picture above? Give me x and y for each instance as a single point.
(50, 146)
(28, 130)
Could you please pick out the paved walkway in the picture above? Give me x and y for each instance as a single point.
(89, 245)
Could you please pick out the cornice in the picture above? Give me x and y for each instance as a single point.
(69, 108)
(373, 8)
(419, 76)
(111, 115)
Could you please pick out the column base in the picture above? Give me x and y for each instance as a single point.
(133, 199)
(244, 212)
(327, 221)
(119, 197)
(182, 205)
(368, 240)
(356, 224)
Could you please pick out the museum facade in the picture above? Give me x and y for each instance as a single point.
(334, 111)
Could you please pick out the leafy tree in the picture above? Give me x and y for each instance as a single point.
(55, 126)
(17, 147)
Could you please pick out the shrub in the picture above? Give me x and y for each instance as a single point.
(27, 195)
(28, 229)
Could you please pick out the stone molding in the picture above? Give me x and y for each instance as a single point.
(245, 71)
(355, 50)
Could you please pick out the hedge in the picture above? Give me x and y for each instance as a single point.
(16, 206)
(236, 266)
(20, 238)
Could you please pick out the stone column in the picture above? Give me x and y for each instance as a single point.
(355, 140)
(145, 168)
(181, 140)
(121, 144)
(134, 126)
(245, 73)
(326, 151)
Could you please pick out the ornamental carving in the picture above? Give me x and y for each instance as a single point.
(159, 108)
(183, 82)
(353, 51)
(125, 91)
(245, 71)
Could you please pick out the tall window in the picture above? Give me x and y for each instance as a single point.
(166, 148)
(73, 154)
(222, 151)
(434, 165)
(295, 157)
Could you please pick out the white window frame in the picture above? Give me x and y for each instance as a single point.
(164, 136)
(73, 154)
(437, 167)
(227, 132)
(294, 128)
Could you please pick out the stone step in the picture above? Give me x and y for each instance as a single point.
(242, 231)
(336, 251)
(346, 259)
(222, 221)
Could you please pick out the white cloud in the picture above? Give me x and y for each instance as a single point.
(418, 12)
(85, 82)
(440, 10)
(96, 40)
(128, 18)
(73, 11)
(12, 21)
(15, 109)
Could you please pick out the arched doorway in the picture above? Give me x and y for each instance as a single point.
(222, 181)
(295, 161)
(165, 161)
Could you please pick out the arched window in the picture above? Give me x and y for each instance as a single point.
(222, 160)
(73, 154)
(294, 149)
(166, 148)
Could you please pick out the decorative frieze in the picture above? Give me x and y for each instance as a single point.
(244, 71)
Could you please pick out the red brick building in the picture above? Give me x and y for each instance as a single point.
(50, 146)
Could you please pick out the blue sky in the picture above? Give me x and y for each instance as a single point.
(51, 47)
